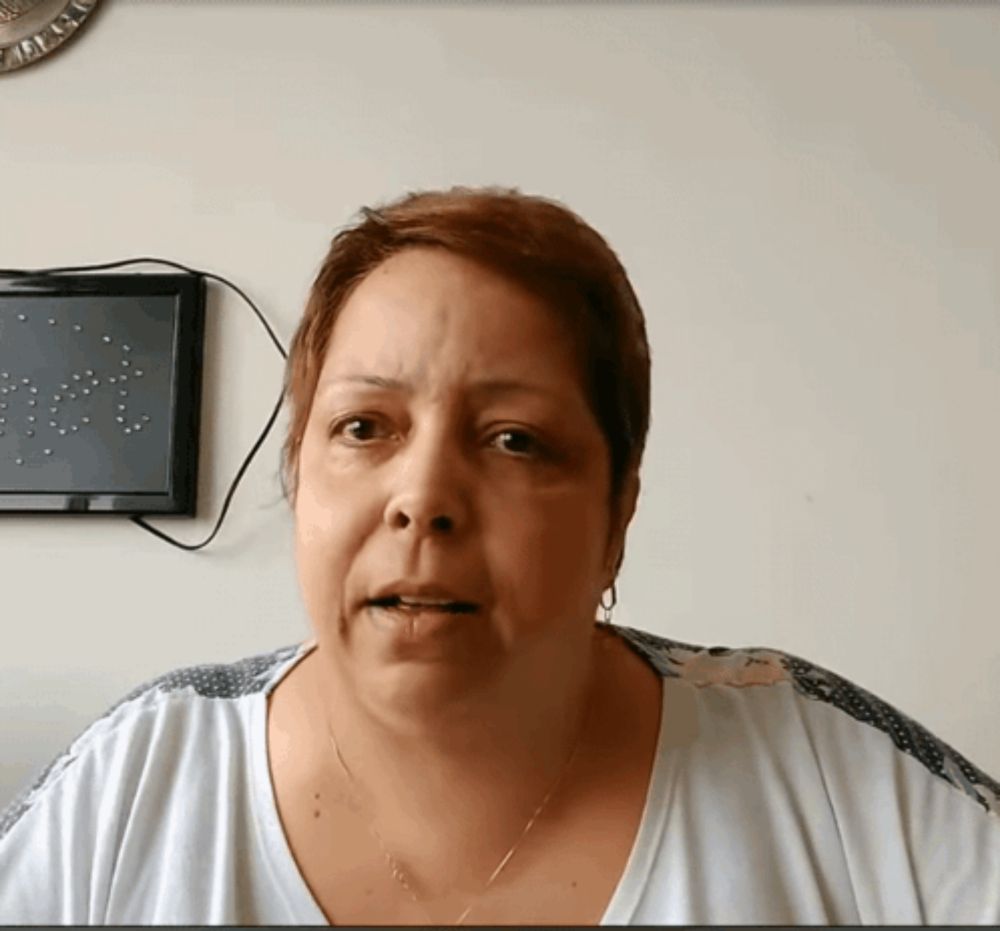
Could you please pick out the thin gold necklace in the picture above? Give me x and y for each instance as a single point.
(399, 874)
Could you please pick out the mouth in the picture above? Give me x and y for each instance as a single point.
(416, 605)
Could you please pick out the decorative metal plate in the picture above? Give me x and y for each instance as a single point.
(31, 29)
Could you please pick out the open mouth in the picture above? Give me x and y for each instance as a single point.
(417, 605)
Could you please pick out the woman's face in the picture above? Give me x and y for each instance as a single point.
(450, 454)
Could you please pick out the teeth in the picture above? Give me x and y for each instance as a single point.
(445, 604)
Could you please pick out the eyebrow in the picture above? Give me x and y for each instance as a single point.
(489, 387)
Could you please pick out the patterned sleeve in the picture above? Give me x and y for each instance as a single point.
(920, 823)
(48, 838)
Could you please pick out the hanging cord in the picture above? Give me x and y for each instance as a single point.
(145, 260)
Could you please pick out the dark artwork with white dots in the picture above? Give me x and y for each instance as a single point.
(77, 390)
(88, 393)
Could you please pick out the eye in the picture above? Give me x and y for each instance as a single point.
(519, 442)
(358, 428)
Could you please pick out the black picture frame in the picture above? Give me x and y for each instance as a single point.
(186, 292)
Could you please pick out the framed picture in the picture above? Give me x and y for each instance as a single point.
(100, 391)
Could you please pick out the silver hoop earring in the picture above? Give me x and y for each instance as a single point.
(607, 609)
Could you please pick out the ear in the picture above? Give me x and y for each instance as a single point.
(621, 517)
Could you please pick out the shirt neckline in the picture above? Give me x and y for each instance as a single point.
(632, 882)
(301, 905)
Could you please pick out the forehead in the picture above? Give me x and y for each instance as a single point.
(426, 313)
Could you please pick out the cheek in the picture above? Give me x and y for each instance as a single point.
(319, 566)
(326, 538)
(553, 560)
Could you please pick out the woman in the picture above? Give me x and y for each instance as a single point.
(460, 742)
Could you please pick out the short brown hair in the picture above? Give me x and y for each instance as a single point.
(536, 241)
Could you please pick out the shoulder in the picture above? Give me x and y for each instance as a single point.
(813, 799)
(816, 705)
(154, 719)
(142, 800)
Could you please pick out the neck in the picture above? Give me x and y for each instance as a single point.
(427, 763)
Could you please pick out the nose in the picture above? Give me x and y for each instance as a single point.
(427, 499)
(438, 523)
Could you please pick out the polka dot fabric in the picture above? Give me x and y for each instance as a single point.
(699, 665)
(232, 680)
(905, 733)
(756, 666)
(215, 681)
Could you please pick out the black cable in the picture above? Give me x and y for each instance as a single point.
(71, 269)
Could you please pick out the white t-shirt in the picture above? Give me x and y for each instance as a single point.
(780, 794)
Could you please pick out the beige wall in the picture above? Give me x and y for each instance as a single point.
(807, 197)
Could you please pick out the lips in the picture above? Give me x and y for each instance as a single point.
(407, 596)
(407, 603)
